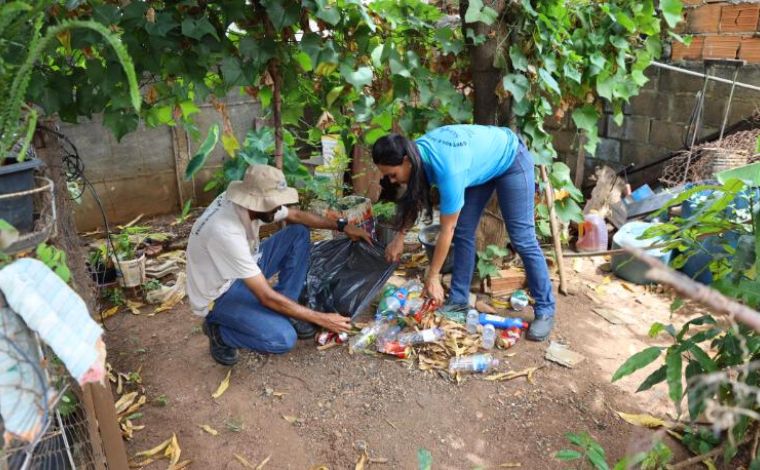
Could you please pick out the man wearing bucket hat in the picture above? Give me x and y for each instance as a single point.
(228, 268)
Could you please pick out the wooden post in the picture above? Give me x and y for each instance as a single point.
(555, 229)
(580, 162)
(277, 112)
(105, 413)
(181, 151)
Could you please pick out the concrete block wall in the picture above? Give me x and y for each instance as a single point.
(656, 120)
(142, 174)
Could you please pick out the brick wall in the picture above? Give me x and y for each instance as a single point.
(656, 120)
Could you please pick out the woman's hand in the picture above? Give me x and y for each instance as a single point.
(434, 289)
(394, 249)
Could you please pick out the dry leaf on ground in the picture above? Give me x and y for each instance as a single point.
(222, 386)
(209, 429)
(243, 461)
(644, 420)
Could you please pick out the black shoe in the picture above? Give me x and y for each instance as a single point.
(223, 354)
(304, 329)
(540, 328)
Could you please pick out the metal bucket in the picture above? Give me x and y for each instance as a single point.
(428, 237)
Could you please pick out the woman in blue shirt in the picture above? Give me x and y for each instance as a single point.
(467, 163)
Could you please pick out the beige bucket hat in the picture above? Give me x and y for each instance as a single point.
(263, 189)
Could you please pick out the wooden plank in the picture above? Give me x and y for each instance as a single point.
(98, 457)
(105, 413)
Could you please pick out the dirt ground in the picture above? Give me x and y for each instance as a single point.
(344, 403)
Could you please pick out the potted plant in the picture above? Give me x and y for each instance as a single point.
(101, 268)
(385, 212)
(129, 261)
(25, 39)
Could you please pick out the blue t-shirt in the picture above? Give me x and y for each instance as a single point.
(459, 156)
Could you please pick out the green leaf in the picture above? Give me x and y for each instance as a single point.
(637, 361)
(304, 60)
(676, 304)
(703, 320)
(548, 81)
(282, 13)
(196, 29)
(333, 94)
(476, 11)
(672, 11)
(567, 454)
(625, 21)
(704, 360)
(517, 85)
(654, 378)
(196, 163)
(327, 13)
(232, 72)
(597, 458)
(658, 327)
(519, 61)
(586, 118)
(358, 78)
(674, 373)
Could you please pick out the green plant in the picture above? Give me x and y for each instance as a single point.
(489, 260)
(124, 246)
(186, 208)
(384, 210)
(25, 40)
(115, 295)
(55, 259)
(152, 284)
(97, 256)
(590, 451)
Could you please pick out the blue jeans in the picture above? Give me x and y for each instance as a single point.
(243, 321)
(515, 190)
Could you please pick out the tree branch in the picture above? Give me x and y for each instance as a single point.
(693, 290)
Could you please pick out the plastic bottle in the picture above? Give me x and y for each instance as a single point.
(592, 233)
(501, 322)
(472, 321)
(390, 305)
(475, 364)
(412, 306)
(488, 338)
(368, 335)
(430, 335)
(388, 334)
(413, 288)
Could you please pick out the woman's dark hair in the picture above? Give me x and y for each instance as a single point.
(390, 150)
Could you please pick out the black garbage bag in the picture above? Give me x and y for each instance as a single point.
(345, 276)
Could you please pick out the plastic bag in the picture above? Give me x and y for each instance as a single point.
(345, 276)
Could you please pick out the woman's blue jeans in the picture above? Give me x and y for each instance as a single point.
(515, 190)
(243, 321)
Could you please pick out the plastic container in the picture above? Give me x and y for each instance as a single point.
(428, 237)
(472, 321)
(501, 322)
(391, 305)
(488, 338)
(430, 335)
(17, 178)
(368, 335)
(474, 364)
(626, 266)
(592, 234)
(131, 273)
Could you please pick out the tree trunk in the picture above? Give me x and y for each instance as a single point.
(277, 112)
(487, 108)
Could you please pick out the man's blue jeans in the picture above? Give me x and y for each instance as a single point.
(515, 190)
(243, 321)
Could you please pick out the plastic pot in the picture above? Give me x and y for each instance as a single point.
(16, 178)
(131, 273)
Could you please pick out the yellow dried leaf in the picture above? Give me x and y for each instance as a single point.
(109, 312)
(155, 450)
(124, 402)
(243, 461)
(362, 461)
(290, 419)
(222, 386)
(209, 429)
(182, 465)
(263, 462)
(173, 451)
(510, 465)
(279, 394)
(134, 307)
(644, 420)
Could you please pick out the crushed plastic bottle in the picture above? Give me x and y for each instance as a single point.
(488, 338)
(474, 364)
(412, 306)
(391, 305)
(368, 335)
(430, 335)
(472, 321)
(389, 334)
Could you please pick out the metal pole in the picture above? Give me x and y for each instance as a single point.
(728, 105)
(697, 74)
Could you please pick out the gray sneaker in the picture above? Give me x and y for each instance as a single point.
(540, 328)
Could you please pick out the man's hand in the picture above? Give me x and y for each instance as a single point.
(434, 289)
(356, 233)
(394, 249)
(334, 322)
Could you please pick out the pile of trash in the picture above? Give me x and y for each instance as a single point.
(415, 330)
